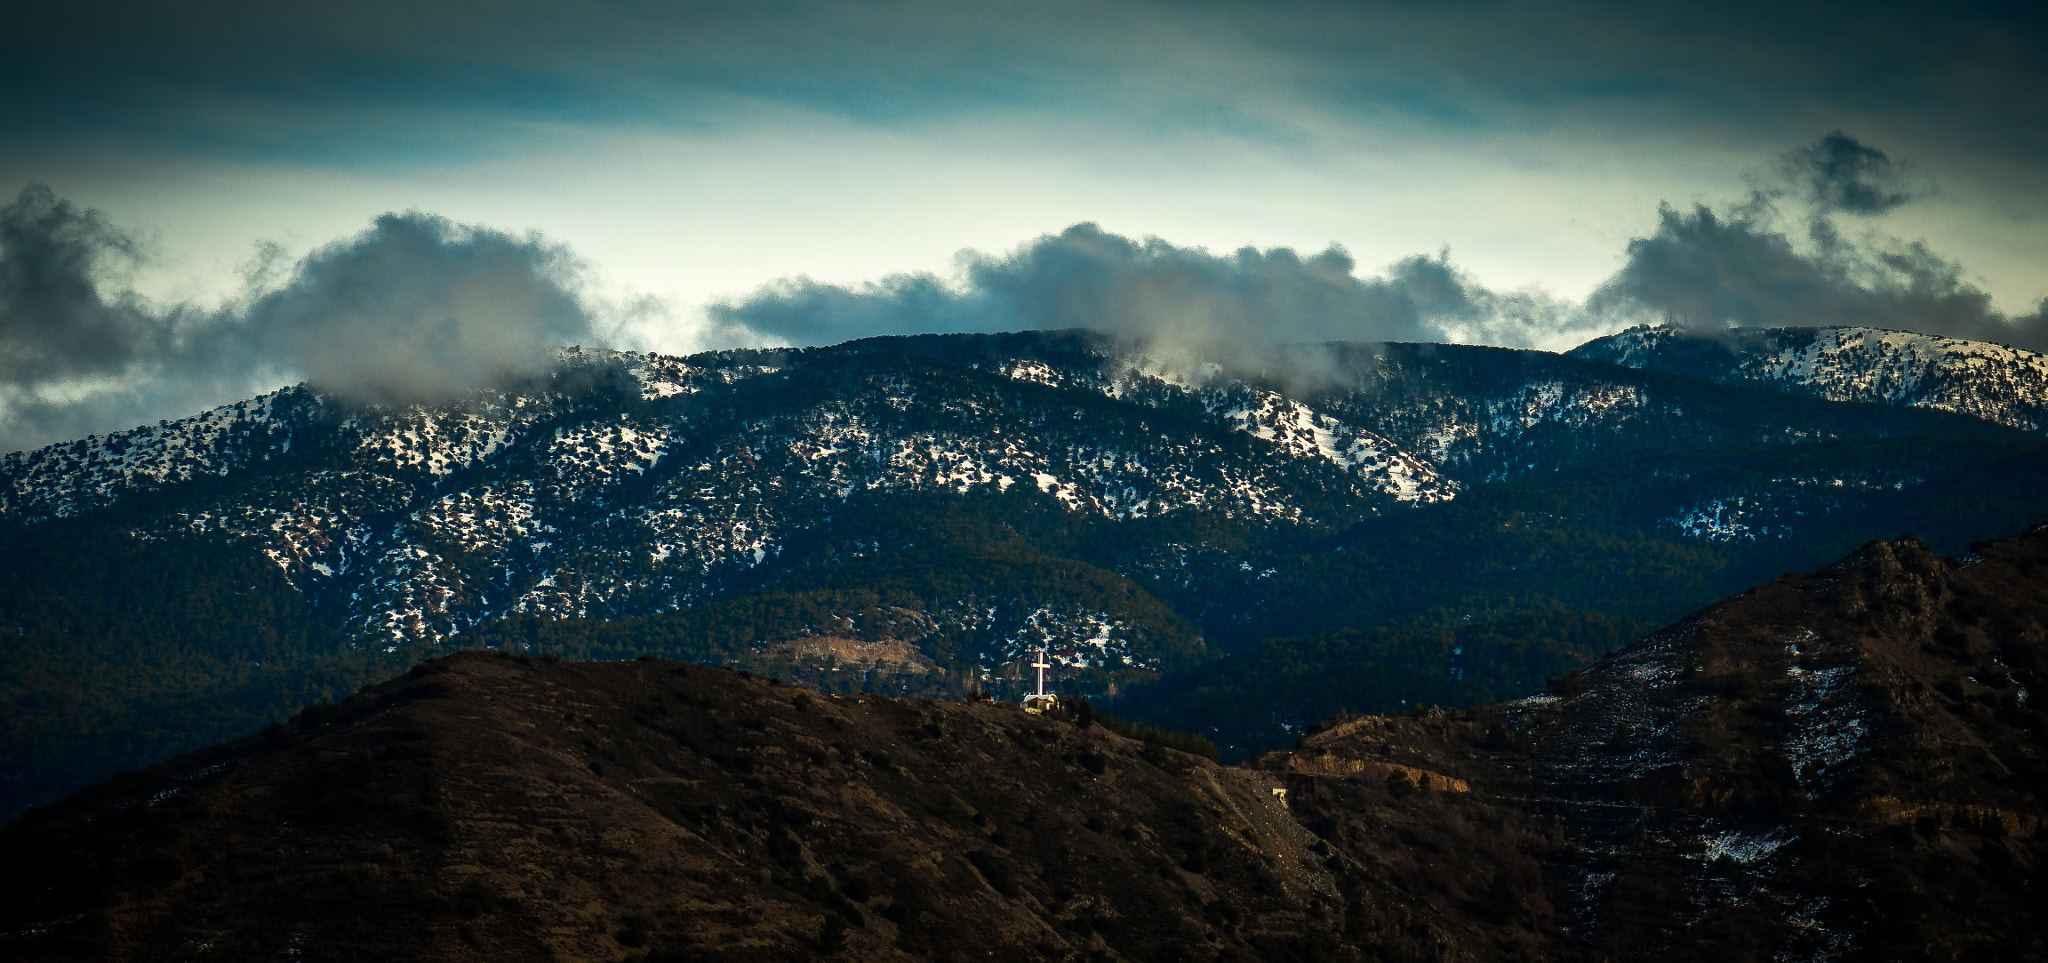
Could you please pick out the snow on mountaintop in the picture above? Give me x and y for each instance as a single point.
(617, 487)
(1993, 382)
(62, 480)
(1294, 429)
(662, 376)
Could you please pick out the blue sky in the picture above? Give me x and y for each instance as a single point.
(692, 159)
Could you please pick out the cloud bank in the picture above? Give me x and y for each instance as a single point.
(1778, 257)
(1237, 309)
(415, 308)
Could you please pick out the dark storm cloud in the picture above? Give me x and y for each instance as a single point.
(382, 76)
(1841, 174)
(54, 320)
(416, 308)
(1239, 309)
(1712, 272)
(68, 330)
(1765, 263)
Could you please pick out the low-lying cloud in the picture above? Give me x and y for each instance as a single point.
(421, 309)
(414, 309)
(1242, 309)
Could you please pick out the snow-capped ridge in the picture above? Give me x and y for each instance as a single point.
(1985, 380)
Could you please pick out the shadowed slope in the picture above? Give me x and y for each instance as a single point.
(492, 807)
(1842, 764)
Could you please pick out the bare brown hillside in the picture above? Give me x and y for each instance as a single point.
(497, 808)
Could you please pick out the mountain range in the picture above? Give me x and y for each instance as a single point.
(1239, 548)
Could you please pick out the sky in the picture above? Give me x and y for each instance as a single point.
(399, 201)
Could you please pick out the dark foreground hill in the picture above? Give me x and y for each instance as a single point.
(1842, 765)
(501, 807)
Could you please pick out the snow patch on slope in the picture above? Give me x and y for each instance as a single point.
(1828, 727)
(1299, 431)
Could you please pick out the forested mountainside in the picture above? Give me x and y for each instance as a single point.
(913, 515)
(1838, 765)
(1994, 382)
